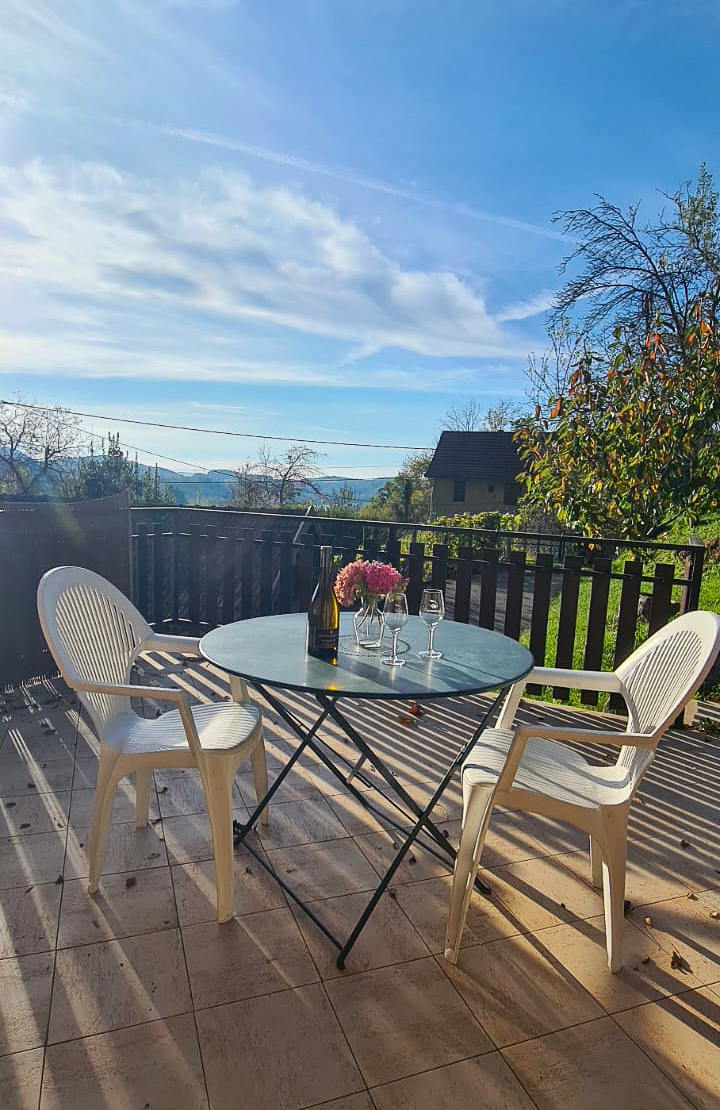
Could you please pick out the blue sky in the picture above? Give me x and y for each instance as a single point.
(321, 218)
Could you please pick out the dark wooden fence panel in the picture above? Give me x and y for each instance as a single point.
(36, 537)
(212, 571)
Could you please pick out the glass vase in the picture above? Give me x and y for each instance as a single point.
(369, 624)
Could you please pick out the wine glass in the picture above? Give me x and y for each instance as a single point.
(432, 611)
(395, 615)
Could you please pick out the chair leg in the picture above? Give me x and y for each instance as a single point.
(218, 781)
(143, 781)
(260, 777)
(107, 780)
(596, 873)
(478, 805)
(613, 873)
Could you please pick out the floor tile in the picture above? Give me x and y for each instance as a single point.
(34, 813)
(25, 985)
(152, 1065)
(182, 793)
(682, 1036)
(188, 837)
(126, 849)
(307, 822)
(387, 938)
(418, 863)
(125, 905)
(516, 991)
(81, 809)
(35, 778)
(282, 1050)
(360, 1101)
(29, 919)
(112, 984)
(645, 882)
(684, 925)
(254, 889)
(404, 1019)
(20, 1076)
(324, 870)
(255, 954)
(25, 860)
(483, 1081)
(647, 972)
(591, 1067)
(541, 892)
(426, 904)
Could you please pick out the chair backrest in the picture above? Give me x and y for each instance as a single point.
(662, 675)
(93, 632)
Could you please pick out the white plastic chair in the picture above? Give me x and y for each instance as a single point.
(95, 635)
(526, 768)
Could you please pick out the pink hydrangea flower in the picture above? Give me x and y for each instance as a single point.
(361, 579)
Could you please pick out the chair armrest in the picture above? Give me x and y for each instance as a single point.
(180, 645)
(159, 693)
(585, 736)
(576, 680)
(127, 690)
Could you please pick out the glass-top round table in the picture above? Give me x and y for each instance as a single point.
(269, 653)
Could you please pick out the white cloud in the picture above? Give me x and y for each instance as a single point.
(220, 247)
(523, 310)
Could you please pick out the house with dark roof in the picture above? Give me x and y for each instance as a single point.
(474, 472)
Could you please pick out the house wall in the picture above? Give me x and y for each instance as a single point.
(481, 496)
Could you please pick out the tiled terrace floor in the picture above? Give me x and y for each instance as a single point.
(138, 1000)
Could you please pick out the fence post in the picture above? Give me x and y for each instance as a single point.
(514, 593)
(463, 584)
(540, 610)
(416, 572)
(567, 621)
(194, 573)
(211, 575)
(489, 557)
(694, 562)
(661, 600)
(229, 548)
(158, 593)
(438, 569)
(305, 573)
(246, 573)
(597, 620)
(142, 569)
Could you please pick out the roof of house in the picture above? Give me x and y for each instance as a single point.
(484, 455)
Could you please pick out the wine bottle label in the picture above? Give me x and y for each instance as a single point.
(322, 641)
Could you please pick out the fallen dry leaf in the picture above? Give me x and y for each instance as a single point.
(405, 720)
(647, 920)
(692, 897)
(416, 710)
(130, 881)
(627, 906)
(678, 962)
(715, 913)
(684, 844)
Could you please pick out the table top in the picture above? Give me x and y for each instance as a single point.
(271, 651)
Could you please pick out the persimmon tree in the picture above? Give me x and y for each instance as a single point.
(629, 448)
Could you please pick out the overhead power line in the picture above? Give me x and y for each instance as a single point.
(216, 431)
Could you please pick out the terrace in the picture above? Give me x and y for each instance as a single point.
(139, 998)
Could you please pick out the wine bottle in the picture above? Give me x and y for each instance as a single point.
(323, 615)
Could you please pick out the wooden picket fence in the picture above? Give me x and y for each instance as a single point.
(204, 574)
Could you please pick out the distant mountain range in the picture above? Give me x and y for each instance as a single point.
(218, 486)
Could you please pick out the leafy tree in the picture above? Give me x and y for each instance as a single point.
(405, 497)
(645, 277)
(34, 442)
(631, 445)
(113, 472)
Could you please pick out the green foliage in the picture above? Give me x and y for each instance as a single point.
(631, 446)
(405, 497)
(113, 472)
